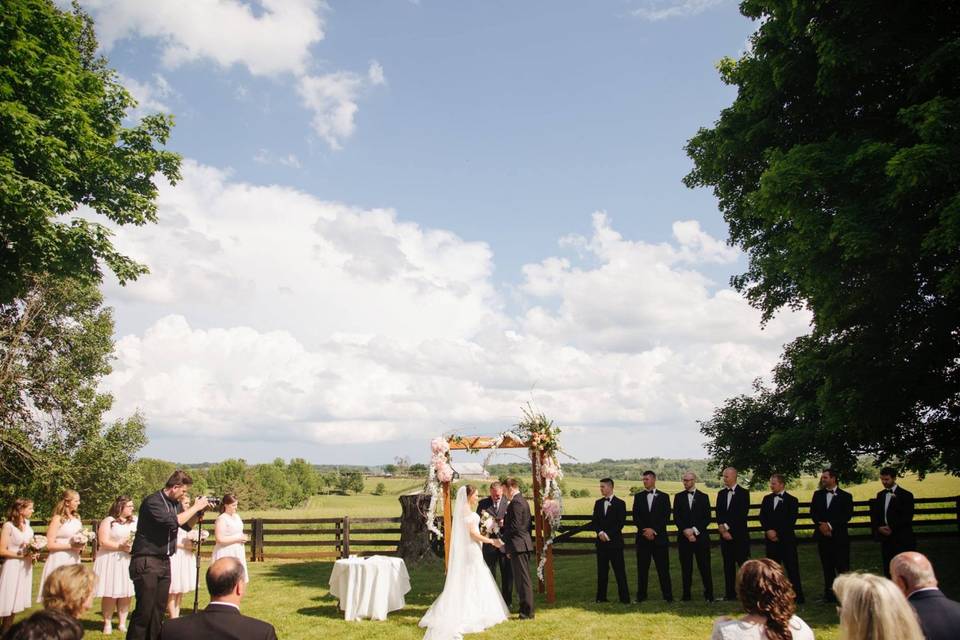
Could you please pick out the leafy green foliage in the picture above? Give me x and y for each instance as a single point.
(836, 171)
(63, 146)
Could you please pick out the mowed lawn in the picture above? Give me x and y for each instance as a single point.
(293, 596)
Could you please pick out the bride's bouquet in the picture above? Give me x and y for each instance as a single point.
(83, 537)
(489, 526)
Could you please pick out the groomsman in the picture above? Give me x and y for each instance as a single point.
(733, 508)
(609, 518)
(691, 514)
(778, 517)
(831, 509)
(496, 506)
(891, 515)
(651, 513)
(519, 545)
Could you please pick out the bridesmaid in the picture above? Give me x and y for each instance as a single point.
(16, 577)
(112, 564)
(64, 525)
(183, 568)
(228, 532)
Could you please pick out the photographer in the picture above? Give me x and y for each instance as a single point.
(161, 514)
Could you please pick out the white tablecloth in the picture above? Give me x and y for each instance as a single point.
(371, 587)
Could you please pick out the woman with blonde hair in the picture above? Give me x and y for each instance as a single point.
(69, 589)
(62, 547)
(873, 608)
(16, 577)
(112, 565)
(183, 567)
(768, 598)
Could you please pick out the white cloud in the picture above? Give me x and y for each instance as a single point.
(265, 156)
(655, 10)
(275, 38)
(270, 314)
(151, 96)
(375, 73)
(333, 100)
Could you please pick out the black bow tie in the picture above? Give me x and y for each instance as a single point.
(650, 492)
(778, 495)
(693, 493)
(608, 500)
(833, 492)
(889, 490)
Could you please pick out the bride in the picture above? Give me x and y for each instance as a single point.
(471, 600)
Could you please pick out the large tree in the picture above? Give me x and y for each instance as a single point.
(63, 146)
(837, 169)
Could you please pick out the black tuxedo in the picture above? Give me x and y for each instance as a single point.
(495, 558)
(939, 616)
(736, 551)
(516, 539)
(834, 550)
(610, 519)
(697, 518)
(656, 519)
(782, 518)
(899, 517)
(217, 622)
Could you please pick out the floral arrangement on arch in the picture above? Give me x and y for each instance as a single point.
(440, 472)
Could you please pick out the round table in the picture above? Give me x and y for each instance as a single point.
(369, 587)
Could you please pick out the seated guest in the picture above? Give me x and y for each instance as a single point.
(939, 616)
(222, 617)
(69, 589)
(872, 608)
(767, 596)
(46, 624)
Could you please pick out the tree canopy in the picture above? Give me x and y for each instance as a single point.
(836, 170)
(66, 158)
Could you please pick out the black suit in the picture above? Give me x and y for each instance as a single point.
(519, 545)
(736, 551)
(610, 518)
(781, 516)
(834, 550)
(217, 622)
(939, 616)
(495, 557)
(696, 518)
(658, 548)
(899, 517)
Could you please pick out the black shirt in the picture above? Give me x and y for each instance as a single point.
(157, 526)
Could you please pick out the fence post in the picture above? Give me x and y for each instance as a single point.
(337, 537)
(958, 513)
(256, 534)
(96, 541)
(346, 537)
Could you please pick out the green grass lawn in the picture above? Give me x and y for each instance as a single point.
(293, 597)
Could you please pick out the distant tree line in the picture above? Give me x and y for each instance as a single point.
(627, 470)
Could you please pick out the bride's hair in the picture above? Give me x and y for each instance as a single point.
(471, 490)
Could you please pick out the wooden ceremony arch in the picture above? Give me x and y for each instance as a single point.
(476, 443)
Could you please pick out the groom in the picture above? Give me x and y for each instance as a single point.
(496, 507)
(516, 540)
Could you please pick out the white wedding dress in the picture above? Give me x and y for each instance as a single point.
(471, 600)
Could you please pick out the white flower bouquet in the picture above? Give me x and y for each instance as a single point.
(196, 536)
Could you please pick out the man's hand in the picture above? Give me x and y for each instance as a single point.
(772, 535)
(826, 530)
(726, 535)
(201, 503)
(649, 533)
(691, 536)
(497, 542)
(885, 530)
(603, 536)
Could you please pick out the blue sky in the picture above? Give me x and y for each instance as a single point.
(434, 211)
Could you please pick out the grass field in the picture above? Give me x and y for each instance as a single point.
(293, 596)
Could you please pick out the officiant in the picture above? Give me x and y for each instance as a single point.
(495, 506)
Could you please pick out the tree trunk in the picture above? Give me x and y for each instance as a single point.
(415, 544)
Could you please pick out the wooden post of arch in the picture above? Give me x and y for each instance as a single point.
(447, 522)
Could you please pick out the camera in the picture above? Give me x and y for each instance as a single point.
(213, 503)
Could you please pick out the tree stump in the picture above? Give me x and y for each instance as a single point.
(415, 545)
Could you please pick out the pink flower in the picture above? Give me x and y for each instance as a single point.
(445, 473)
(439, 445)
(549, 470)
(551, 509)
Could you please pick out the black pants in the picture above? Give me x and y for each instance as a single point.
(661, 557)
(785, 552)
(520, 564)
(834, 559)
(890, 548)
(701, 551)
(151, 584)
(611, 556)
(734, 552)
(495, 559)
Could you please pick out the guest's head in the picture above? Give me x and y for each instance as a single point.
(729, 477)
(765, 591)
(777, 483)
(606, 487)
(177, 484)
(512, 485)
(473, 496)
(828, 479)
(122, 509)
(69, 589)
(20, 511)
(888, 477)
(67, 507)
(872, 608)
(229, 503)
(46, 624)
(649, 480)
(225, 581)
(689, 481)
(912, 571)
(496, 491)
